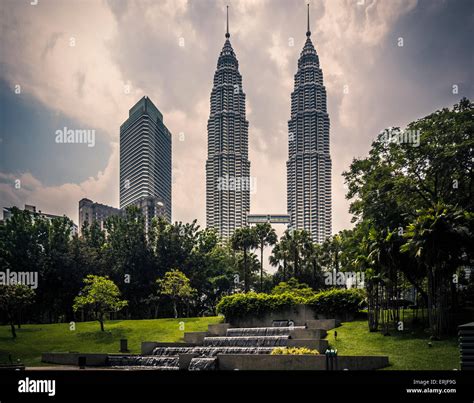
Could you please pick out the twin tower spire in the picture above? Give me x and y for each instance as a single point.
(228, 180)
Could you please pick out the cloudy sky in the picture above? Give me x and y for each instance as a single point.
(82, 64)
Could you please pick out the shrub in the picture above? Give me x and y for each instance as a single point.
(330, 302)
(293, 351)
(256, 304)
(337, 301)
(293, 286)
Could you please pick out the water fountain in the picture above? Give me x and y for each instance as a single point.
(259, 340)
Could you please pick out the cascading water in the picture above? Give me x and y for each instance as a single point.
(210, 351)
(261, 331)
(246, 341)
(203, 364)
(257, 340)
(163, 362)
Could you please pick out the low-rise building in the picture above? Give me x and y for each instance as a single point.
(7, 213)
(90, 211)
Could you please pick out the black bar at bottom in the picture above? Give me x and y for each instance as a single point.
(87, 385)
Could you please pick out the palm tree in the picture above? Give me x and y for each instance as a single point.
(266, 236)
(440, 239)
(312, 253)
(279, 258)
(331, 250)
(244, 239)
(294, 242)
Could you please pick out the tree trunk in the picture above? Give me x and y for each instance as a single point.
(175, 309)
(101, 321)
(246, 285)
(296, 264)
(261, 268)
(12, 327)
(431, 302)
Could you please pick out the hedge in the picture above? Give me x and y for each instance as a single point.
(330, 302)
(337, 301)
(256, 304)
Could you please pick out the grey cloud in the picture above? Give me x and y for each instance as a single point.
(51, 43)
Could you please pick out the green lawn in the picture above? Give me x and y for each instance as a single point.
(32, 340)
(406, 350)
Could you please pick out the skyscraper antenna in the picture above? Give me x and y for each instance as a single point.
(227, 35)
(308, 32)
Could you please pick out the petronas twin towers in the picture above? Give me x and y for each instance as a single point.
(228, 181)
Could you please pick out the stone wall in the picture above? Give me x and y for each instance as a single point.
(264, 362)
(93, 360)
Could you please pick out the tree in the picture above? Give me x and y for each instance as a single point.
(177, 286)
(331, 250)
(266, 236)
(100, 295)
(128, 258)
(441, 240)
(244, 239)
(295, 244)
(398, 181)
(12, 299)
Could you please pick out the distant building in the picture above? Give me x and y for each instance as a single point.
(90, 211)
(145, 161)
(7, 213)
(309, 160)
(228, 179)
(151, 207)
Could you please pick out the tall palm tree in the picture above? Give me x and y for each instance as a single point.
(294, 242)
(244, 239)
(266, 236)
(279, 258)
(312, 253)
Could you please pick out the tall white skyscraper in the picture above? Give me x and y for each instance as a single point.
(309, 161)
(145, 161)
(227, 165)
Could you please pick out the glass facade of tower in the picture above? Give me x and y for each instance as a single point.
(145, 159)
(227, 165)
(309, 161)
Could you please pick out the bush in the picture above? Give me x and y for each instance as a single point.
(293, 286)
(293, 351)
(337, 301)
(330, 302)
(256, 304)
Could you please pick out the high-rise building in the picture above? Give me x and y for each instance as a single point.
(309, 161)
(227, 166)
(145, 160)
(90, 211)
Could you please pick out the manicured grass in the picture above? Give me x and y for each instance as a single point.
(406, 350)
(32, 340)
